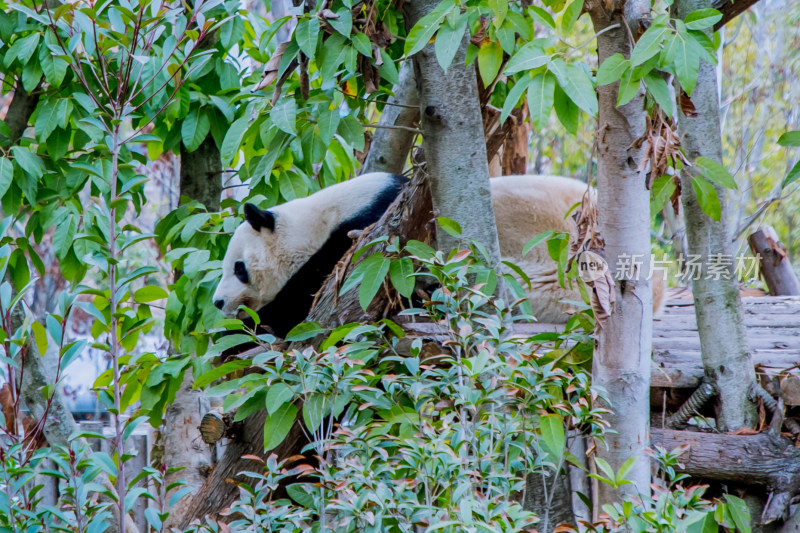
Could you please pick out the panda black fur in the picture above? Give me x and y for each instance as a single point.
(302, 254)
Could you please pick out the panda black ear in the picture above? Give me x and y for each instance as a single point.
(259, 218)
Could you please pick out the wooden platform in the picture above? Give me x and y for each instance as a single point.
(773, 334)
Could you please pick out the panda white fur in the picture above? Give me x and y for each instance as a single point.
(278, 259)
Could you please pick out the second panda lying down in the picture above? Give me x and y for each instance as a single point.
(278, 259)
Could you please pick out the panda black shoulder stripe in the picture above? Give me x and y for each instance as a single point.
(293, 303)
(373, 212)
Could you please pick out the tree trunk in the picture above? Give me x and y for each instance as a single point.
(453, 139)
(774, 263)
(516, 146)
(621, 364)
(201, 174)
(726, 358)
(390, 145)
(407, 218)
(201, 180)
(19, 111)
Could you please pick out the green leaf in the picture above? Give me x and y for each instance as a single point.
(54, 67)
(625, 468)
(278, 395)
(702, 19)
(528, 57)
(362, 43)
(793, 175)
(284, 115)
(307, 34)
(628, 88)
(46, 119)
(513, 96)
(542, 16)
(149, 293)
(419, 249)
(571, 15)
(739, 513)
(612, 68)
(28, 161)
(540, 99)
(305, 331)
(423, 30)
(278, 425)
(301, 493)
(576, 84)
(536, 241)
(105, 462)
(648, 45)
(6, 175)
(65, 235)
(328, 122)
(566, 110)
(490, 57)
(715, 173)
(352, 131)
(194, 129)
(40, 336)
(660, 91)
(790, 138)
(314, 411)
(450, 226)
(448, 40)
(687, 61)
(552, 428)
(232, 140)
(707, 197)
(374, 273)
(401, 274)
(344, 23)
(217, 372)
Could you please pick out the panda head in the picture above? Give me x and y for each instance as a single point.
(257, 264)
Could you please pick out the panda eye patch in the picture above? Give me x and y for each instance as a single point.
(240, 271)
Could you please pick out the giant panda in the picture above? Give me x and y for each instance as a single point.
(278, 259)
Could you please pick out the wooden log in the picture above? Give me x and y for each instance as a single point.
(763, 460)
(775, 266)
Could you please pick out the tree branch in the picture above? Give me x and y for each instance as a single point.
(730, 9)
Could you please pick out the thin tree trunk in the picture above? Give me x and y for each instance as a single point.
(453, 139)
(726, 358)
(621, 364)
(390, 146)
(200, 179)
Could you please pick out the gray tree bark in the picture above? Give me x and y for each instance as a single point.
(390, 145)
(201, 180)
(621, 364)
(726, 358)
(453, 139)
